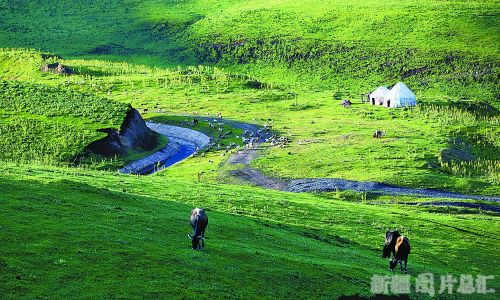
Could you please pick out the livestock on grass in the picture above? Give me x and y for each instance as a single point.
(199, 222)
(399, 246)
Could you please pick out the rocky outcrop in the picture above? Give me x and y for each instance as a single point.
(132, 135)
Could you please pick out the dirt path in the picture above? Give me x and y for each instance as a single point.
(259, 179)
(244, 156)
(249, 174)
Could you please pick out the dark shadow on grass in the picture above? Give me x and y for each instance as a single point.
(81, 70)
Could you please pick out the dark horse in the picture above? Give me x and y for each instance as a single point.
(399, 246)
(199, 222)
(390, 243)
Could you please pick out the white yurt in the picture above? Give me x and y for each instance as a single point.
(400, 96)
(378, 96)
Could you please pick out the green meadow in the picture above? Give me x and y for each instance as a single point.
(108, 235)
(72, 226)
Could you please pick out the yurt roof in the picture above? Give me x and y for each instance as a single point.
(380, 92)
(400, 90)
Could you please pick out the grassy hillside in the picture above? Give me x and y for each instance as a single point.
(444, 145)
(44, 118)
(423, 24)
(80, 232)
(355, 46)
(51, 124)
(351, 46)
(69, 230)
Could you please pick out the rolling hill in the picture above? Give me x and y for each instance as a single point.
(83, 230)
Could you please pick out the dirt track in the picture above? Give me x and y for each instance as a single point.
(333, 184)
(256, 177)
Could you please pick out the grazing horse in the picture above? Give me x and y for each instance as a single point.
(399, 246)
(390, 243)
(199, 222)
(402, 250)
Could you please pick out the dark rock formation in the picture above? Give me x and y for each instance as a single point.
(133, 135)
(57, 68)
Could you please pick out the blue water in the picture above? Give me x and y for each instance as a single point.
(185, 150)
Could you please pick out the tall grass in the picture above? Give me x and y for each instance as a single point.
(479, 132)
(445, 115)
(487, 168)
(50, 101)
(50, 142)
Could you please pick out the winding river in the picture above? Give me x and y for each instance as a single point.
(182, 143)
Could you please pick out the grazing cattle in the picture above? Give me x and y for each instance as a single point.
(399, 246)
(199, 222)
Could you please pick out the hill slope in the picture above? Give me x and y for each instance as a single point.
(76, 232)
(352, 46)
(44, 118)
(66, 231)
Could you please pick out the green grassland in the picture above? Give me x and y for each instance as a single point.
(420, 24)
(443, 48)
(328, 140)
(125, 236)
(83, 232)
(51, 121)
(51, 124)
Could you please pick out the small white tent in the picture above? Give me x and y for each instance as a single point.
(400, 96)
(378, 96)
